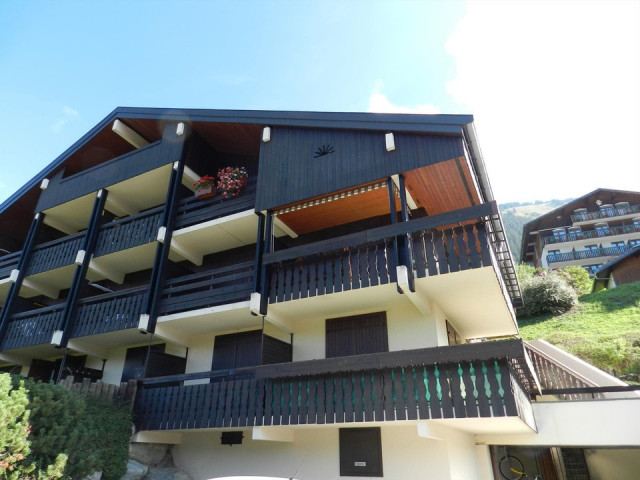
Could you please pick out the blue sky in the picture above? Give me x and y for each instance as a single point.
(554, 86)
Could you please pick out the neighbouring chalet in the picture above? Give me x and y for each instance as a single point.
(588, 231)
(326, 316)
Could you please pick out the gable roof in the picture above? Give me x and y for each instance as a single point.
(99, 144)
(604, 272)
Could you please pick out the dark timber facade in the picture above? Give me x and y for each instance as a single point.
(335, 290)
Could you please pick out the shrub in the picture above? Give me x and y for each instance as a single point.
(577, 278)
(546, 294)
(88, 433)
(17, 461)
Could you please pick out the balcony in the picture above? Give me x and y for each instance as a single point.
(605, 213)
(458, 266)
(589, 234)
(459, 385)
(587, 254)
(32, 328)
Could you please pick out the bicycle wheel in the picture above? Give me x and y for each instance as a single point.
(511, 468)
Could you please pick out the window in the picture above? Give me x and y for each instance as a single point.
(617, 244)
(553, 256)
(356, 335)
(360, 452)
(602, 229)
(633, 243)
(592, 268)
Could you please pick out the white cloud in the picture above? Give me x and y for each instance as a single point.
(554, 88)
(67, 114)
(379, 103)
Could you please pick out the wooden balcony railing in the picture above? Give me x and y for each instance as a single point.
(340, 270)
(193, 210)
(553, 375)
(34, 327)
(9, 262)
(55, 254)
(450, 250)
(587, 254)
(588, 234)
(129, 232)
(368, 258)
(109, 312)
(605, 213)
(468, 381)
(206, 289)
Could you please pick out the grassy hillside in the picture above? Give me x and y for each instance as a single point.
(603, 329)
(516, 214)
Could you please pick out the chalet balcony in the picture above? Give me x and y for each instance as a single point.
(598, 254)
(33, 328)
(605, 213)
(455, 264)
(460, 385)
(590, 234)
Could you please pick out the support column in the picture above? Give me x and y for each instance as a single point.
(405, 246)
(264, 270)
(257, 268)
(67, 322)
(392, 209)
(20, 273)
(150, 316)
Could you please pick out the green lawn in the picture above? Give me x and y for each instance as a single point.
(603, 329)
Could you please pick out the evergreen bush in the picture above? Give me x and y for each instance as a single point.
(546, 294)
(88, 434)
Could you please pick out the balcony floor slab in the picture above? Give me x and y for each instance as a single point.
(473, 301)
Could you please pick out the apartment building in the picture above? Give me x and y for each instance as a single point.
(325, 316)
(588, 231)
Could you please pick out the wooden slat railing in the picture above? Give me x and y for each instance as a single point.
(450, 250)
(55, 254)
(9, 262)
(128, 232)
(349, 268)
(207, 289)
(110, 312)
(34, 327)
(193, 210)
(407, 385)
(125, 392)
(553, 375)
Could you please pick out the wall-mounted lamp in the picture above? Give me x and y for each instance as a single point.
(266, 134)
(390, 142)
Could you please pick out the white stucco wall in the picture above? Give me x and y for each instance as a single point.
(603, 423)
(114, 365)
(407, 329)
(314, 455)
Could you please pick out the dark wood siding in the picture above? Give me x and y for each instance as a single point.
(275, 351)
(159, 364)
(290, 162)
(357, 335)
(360, 452)
(237, 350)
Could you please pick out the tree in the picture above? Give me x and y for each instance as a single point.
(16, 460)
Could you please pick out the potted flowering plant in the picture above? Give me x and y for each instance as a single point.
(205, 186)
(231, 180)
